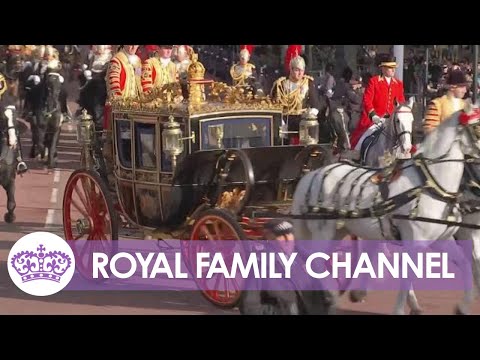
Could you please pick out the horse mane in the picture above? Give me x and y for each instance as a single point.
(447, 129)
(390, 125)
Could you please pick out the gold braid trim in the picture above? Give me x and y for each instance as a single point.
(292, 102)
(240, 79)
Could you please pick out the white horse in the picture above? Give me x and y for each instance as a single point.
(350, 190)
(395, 137)
(469, 234)
(474, 235)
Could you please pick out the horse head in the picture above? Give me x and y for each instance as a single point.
(402, 127)
(53, 84)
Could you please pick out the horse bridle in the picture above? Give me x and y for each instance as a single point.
(396, 133)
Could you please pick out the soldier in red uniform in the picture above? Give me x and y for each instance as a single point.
(381, 94)
(124, 71)
(158, 70)
(123, 77)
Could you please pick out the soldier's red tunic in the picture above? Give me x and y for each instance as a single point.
(379, 99)
(123, 80)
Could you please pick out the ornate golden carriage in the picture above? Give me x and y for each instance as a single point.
(191, 161)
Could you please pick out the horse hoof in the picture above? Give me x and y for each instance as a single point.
(459, 311)
(416, 312)
(9, 217)
(357, 296)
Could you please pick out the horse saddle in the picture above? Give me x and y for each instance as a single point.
(368, 143)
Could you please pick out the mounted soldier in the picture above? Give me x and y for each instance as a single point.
(93, 95)
(35, 95)
(100, 53)
(8, 96)
(54, 66)
(381, 94)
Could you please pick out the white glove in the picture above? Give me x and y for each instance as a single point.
(377, 120)
(35, 78)
(87, 74)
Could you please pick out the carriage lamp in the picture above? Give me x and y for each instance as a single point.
(85, 129)
(172, 140)
(309, 128)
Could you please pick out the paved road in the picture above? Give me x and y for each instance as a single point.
(39, 208)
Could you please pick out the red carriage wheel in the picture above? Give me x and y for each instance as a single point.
(219, 225)
(88, 215)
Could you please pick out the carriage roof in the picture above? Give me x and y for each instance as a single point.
(204, 97)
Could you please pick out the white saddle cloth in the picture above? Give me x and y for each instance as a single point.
(366, 134)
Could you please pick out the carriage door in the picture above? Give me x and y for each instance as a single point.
(124, 166)
(147, 189)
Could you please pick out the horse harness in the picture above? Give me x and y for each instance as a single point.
(383, 203)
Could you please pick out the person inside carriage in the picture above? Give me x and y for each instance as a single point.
(297, 94)
(379, 101)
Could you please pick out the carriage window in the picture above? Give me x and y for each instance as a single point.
(124, 141)
(146, 156)
(236, 133)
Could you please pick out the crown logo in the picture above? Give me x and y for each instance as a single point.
(41, 265)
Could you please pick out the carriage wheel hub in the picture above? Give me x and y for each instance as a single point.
(83, 226)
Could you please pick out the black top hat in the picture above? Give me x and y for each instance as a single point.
(456, 78)
(279, 227)
(386, 60)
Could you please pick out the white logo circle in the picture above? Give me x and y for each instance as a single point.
(41, 264)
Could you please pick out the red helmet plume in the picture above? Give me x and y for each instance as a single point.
(292, 52)
(249, 48)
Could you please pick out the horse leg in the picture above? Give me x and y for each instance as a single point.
(413, 304)
(42, 128)
(464, 234)
(34, 130)
(406, 295)
(459, 253)
(476, 259)
(53, 148)
(9, 216)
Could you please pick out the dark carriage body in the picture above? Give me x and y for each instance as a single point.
(198, 160)
(155, 194)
